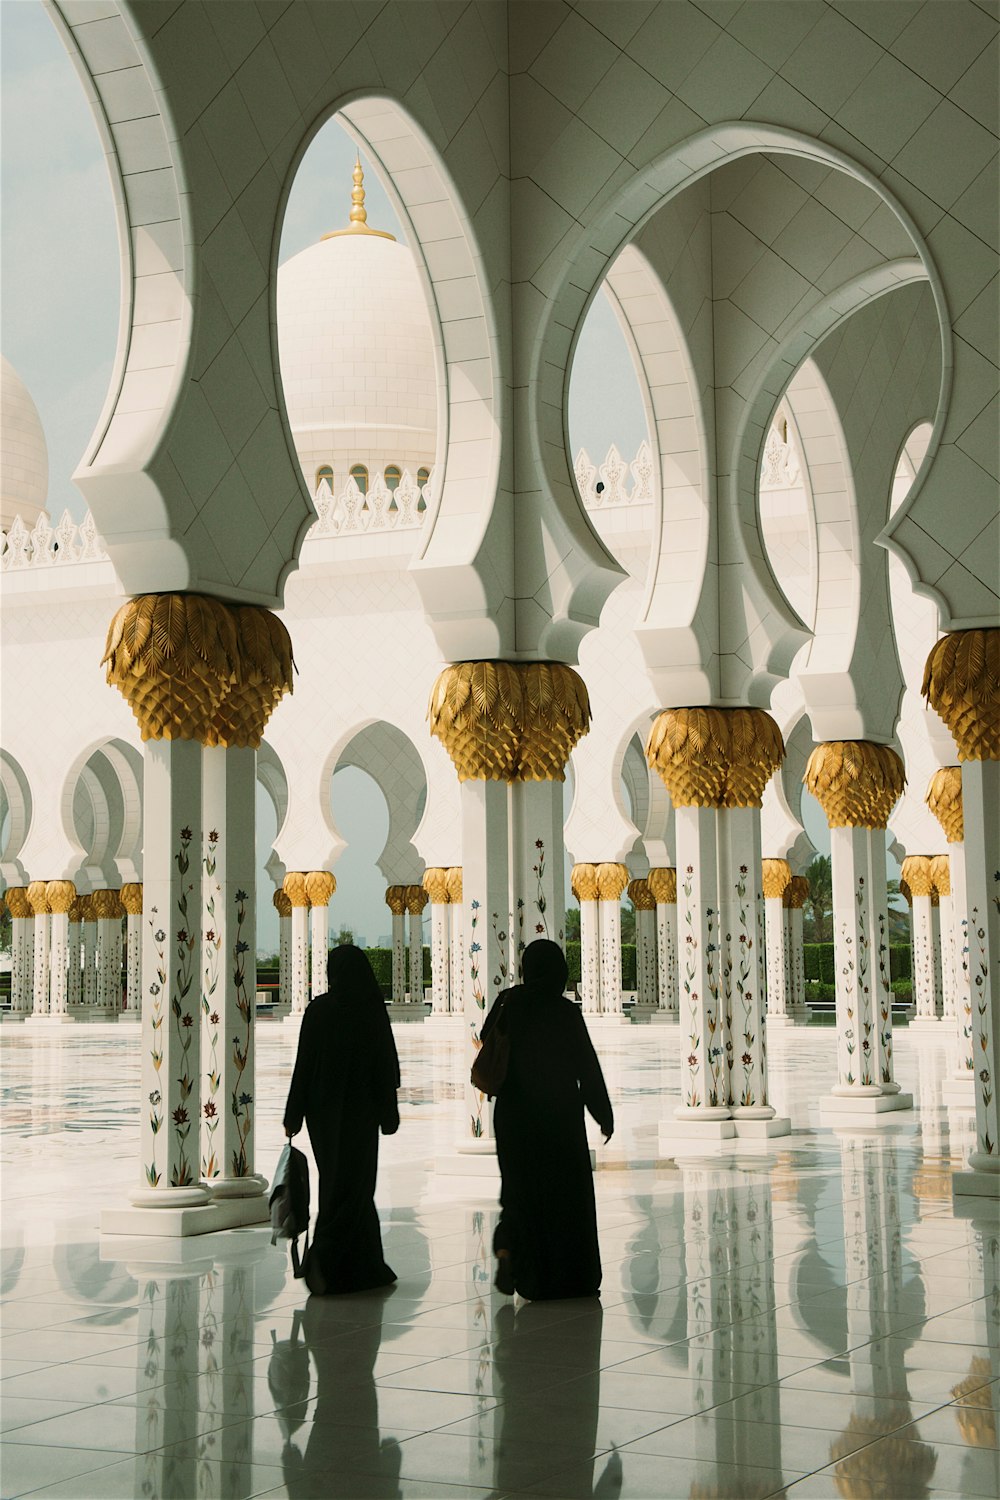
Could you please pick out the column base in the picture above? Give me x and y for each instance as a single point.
(976, 1183)
(447, 1020)
(779, 1022)
(666, 1018)
(847, 1109)
(129, 1017)
(761, 1129)
(925, 1024)
(959, 1090)
(403, 1010)
(182, 1222)
(641, 1015)
(60, 1018)
(691, 1127)
(293, 1018)
(225, 1188)
(601, 1022)
(801, 1014)
(7, 1016)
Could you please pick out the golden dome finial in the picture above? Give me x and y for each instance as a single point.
(359, 214)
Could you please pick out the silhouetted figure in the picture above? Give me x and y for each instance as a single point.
(546, 1238)
(344, 1086)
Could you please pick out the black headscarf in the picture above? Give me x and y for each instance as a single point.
(349, 974)
(543, 967)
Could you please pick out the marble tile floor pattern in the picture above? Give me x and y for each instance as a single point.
(806, 1317)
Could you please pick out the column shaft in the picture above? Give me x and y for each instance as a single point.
(22, 972)
(645, 958)
(285, 960)
(741, 918)
(857, 1009)
(229, 997)
(40, 964)
(796, 962)
(319, 934)
(89, 976)
(415, 993)
(456, 977)
(171, 973)
(610, 927)
(949, 986)
(300, 959)
(923, 958)
(965, 1060)
(777, 959)
(590, 957)
(981, 808)
(485, 898)
(704, 1084)
(440, 957)
(74, 976)
(59, 963)
(398, 957)
(133, 962)
(666, 955)
(538, 864)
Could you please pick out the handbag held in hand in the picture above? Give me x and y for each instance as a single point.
(490, 1067)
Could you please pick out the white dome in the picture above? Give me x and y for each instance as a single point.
(357, 357)
(24, 458)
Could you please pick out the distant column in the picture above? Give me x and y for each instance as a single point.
(416, 900)
(395, 900)
(22, 919)
(74, 984)
(294, 887)
(131, 897)
(320, 886)
(283, 907)
(795, 897)
(916, 872)
(612, 878)
(583, 884)
(60, 895)
(457, 934)
(777, 877)
(644, 903)
(40, 964)
(435, 882)
(663, 884)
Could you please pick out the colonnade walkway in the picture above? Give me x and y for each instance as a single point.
(811, 1315)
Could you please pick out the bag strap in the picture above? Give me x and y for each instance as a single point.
(296, 1262)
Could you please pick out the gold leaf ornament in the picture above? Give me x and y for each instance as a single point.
(281, 904)
(776, 876)
(193, 668)
(294, 887)
(131, 894)
(917, 873)
(395, 899)
(612, 878)
(455, 884)
(941, 874)
(962, 682)
(319, 887)
(796, 893)
(416, 899)
(641, 896)
(715, 757)
(662, 881)
(38, 898)
(509, 721)
(583, 882)
(60, 895)
(435, 882)
(857, 783)
(944, 798)
(17, 903)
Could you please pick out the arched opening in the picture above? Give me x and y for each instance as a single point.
(102, 815)
(15, 818)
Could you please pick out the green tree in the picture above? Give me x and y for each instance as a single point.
(899, 922)
(572, 924)
(820, 903)
(345, 935)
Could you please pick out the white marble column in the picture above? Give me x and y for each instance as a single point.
(395, 900)
(583, 883)
(435, 883)
(857, 1016)
(40, 959)
(741, 917)
(916, 872)
(416, 900)
(704, 1110)
(981, 812)
(283, 907)
(131, 898)
(644, 904)
(60, 895)
(294, 887)
(22, 943)
(612, 878)
(486, 894)
(74, 985)
(878, 887)
(777, 877)
(320, 886)
(229, 875)
(663, 884)
(110, 912)
(456, 936)
(171, 976)
(936, 949)
(959, 1088)
(89, 970)
(796, 894)
(538, 866)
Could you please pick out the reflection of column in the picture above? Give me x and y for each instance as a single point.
(74, 985)
(916, 872)
(663, 884)
(795, 897)
(858, 784)
(944, 798)
(320, 886)
(777, 877)
(229, 951)
(583, 884)
(225, 1395)
(283, 907)
(226, 668)
(131, 896)
(60, 895)
(110, 911)
(456, 934)
(294, 887)
(435, 883)
(416, 900)
(40, 962)
(612, 878)
(960, 679)
(167, 1420)
(715, 763)
(395, 900)
(22, 943)
(644, 903)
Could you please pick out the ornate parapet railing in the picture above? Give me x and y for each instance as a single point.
(615, 482)
(42, 547)
(353, 512)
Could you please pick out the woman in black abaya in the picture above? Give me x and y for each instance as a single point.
(344, 1087)
(546, 1239)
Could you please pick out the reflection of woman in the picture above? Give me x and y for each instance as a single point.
(546, 1239)
(344, 1086)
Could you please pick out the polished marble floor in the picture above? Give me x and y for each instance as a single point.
(809, 1316)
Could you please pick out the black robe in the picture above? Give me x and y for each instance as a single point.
(548, 1219)
(344, 1086)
